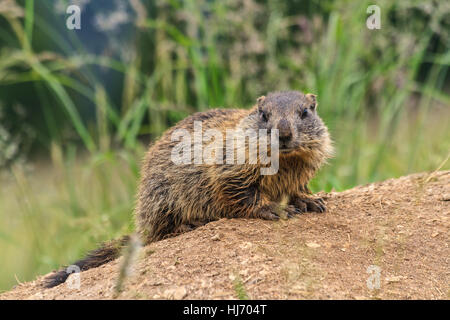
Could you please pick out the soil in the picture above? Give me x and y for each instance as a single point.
(387, 240)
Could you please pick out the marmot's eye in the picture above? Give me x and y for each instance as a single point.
(264, 116)
(304, 113)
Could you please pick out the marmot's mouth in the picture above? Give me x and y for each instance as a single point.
(285, 150)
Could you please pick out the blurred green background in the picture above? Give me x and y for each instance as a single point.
(79, 107)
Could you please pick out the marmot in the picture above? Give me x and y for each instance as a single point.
(173, 198)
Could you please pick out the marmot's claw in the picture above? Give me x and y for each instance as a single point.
(292, 211)
(267, 213)
(310, 204)
(316, 205)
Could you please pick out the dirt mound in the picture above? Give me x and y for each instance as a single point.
(386, 240)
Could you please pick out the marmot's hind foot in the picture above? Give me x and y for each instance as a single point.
(275, 212)
(308, 204)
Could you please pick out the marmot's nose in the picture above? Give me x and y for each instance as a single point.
(284, 130)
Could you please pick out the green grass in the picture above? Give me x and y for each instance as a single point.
(386, 115)
(72, 203)
(239, 289)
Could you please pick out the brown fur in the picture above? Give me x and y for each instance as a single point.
(173, 198)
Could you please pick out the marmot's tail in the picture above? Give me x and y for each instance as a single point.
(109, 251)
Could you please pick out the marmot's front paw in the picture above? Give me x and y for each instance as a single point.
(292, 210)
(275, 212)
(267, 212)
(305, 204)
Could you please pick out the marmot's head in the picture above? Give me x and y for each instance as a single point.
(294, 114)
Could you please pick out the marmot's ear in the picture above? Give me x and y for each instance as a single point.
(260, 102)
(261, 99)
(312, 99)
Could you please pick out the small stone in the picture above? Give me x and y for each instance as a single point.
(313, 245)
(175, 293)
(246, 245)
(180, 293)
(216, 237)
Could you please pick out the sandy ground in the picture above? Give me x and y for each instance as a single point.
(386, 240)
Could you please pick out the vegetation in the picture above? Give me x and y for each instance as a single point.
(78, 107)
